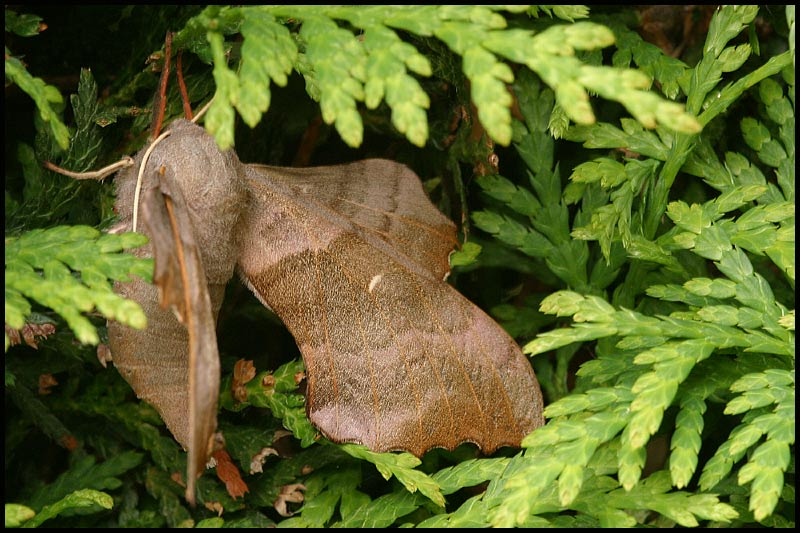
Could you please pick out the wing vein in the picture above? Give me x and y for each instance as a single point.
(321, 303)
(388, 323)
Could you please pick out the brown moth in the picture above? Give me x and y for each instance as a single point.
(353, 259)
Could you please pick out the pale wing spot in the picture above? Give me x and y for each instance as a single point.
(374, 282)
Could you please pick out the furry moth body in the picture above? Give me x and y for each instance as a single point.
(352, 258)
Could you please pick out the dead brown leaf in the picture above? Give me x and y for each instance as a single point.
(289, 494)
(229, 474)
(243, 372)
(260, 458)
(28, 333)
(215, 507)
(46, 381)
(104, 354)
(177, 477)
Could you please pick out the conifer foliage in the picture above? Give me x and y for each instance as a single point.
(628, 208)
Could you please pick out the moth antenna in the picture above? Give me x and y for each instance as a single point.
(202, 111)
(160, 103)
(141, 173)
(187, 107)
(94, 175)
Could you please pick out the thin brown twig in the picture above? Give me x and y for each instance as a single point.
(160, 104)
(95, 175)
(187, 106)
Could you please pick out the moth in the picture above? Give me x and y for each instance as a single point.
(353, 259)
